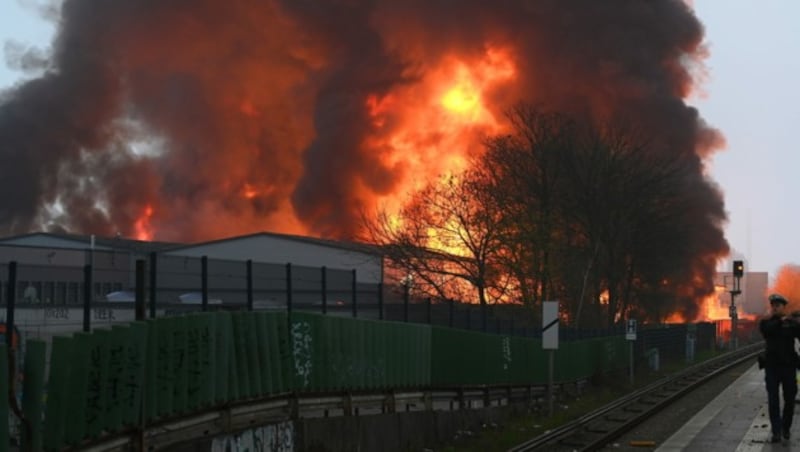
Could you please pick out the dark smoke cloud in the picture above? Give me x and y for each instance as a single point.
(270, 95)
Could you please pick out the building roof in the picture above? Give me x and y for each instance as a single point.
(118, 243)
(145, 247)
(346, 245)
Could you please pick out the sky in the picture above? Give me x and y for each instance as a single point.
(750, 92)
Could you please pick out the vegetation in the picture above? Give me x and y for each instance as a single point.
(599, 216)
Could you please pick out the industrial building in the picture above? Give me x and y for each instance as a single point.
(51, 266)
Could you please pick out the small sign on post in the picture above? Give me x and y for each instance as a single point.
(630, 332)
(550, 325)
(630, 335)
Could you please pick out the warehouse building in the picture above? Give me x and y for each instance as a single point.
(50, 266)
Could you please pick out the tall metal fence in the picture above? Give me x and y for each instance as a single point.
(126, 378)
(73, 296)
(70, 296)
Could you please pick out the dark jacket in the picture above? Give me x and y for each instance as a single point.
(780, 335)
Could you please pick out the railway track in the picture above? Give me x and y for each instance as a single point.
(598, 428)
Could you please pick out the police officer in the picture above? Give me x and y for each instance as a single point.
(781, 361)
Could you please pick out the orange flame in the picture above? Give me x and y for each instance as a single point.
(142, 227)
(428, 130)
(249, 191)
(713, 308)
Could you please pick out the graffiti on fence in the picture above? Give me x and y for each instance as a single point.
(347, 370)
(270, 438)
(506, 352)
(302, 351)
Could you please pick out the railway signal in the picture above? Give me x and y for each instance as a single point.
(738, 269)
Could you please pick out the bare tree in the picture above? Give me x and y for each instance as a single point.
(524, 173)
(611, 222)
(603, 216)
(448, 239)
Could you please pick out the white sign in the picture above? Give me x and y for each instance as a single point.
(550, 325)
(630, 332)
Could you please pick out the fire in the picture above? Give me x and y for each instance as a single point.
(713, 308)
(463, 98)
(429, 129)
(142, 227)
(249, 191)
(326, 115)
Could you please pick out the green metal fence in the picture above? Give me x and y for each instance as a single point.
(114, 379)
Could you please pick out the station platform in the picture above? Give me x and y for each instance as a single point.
(736, 420)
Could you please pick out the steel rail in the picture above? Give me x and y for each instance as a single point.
(598, 428)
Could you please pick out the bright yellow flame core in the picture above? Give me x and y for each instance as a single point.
(463, 98)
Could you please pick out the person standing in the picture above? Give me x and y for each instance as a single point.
(780, 365)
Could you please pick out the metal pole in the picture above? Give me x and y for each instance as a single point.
(451, 308)
(551, 358)
(140, 290)
(734, 326)
(153, 283)
(380, 301)
(87, 297)
(406, 290)
(204, 281)
(324, 290)
(734, 339)
(630, 360)
(354, 294)
(12, 300)
(429, 302)
(249, 284)
(289, 288)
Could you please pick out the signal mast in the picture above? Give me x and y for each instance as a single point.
(738, 272)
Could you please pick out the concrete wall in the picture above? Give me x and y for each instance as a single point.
(400, 432)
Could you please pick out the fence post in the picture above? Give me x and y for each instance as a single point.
(204, 281)
(249, 284)
(153, 283)
(380, 301)
(4, 386)
(139, 300)
(451, 308)
(12, 301)
(288, 288)
(483, 316)
(406, 290)
(354, 294)
(87, 298)
(429, 302)
(32, 391)
(324, 290)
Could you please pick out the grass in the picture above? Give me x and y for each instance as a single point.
(602, 392)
